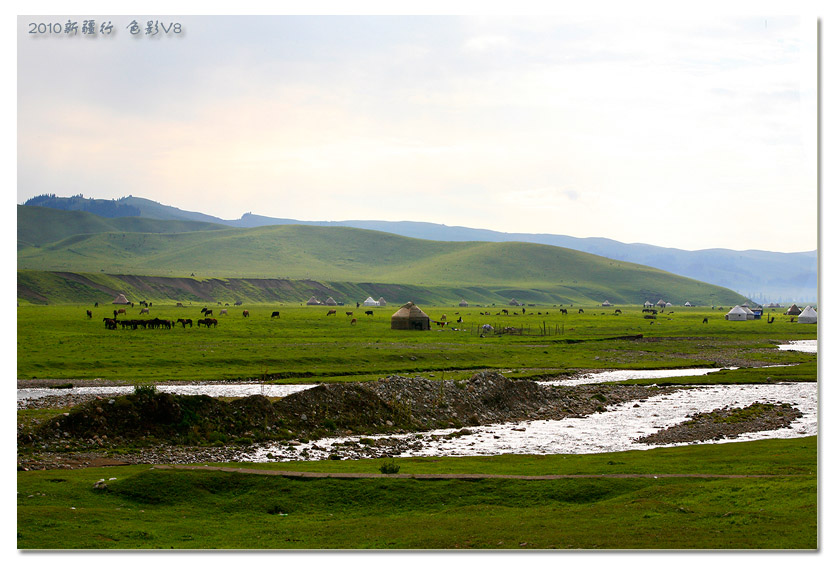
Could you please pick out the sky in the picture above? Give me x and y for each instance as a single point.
(693, 130)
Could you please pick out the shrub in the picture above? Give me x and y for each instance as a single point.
(389, 467)
(148, 390)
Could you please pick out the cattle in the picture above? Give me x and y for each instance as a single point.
(208, 312)
(354, 321)
(370, 313)
(144, 310)
(275, 314)
(179, 304)
(223, 312)
(331, 312)
(444, 317)
(505, 312)
(245, 313)
(89, 314)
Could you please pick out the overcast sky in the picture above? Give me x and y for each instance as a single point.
(691, 132)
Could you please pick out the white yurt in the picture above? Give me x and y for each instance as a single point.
(606, 303)
(687, 304)
(381, 302)
(370, 302)
(737, 313)
(648, 304)
(809, 315)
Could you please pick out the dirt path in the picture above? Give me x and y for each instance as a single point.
(457, 476)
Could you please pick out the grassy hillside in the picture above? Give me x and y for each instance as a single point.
(348, 259)
(37, 226)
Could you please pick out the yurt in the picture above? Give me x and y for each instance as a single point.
(410, 316)
(381, 302)
(794, 310)
(648, 304)
(661, 303)
(687, 304)
(331, 301)
(370, 302)
(121, 299)
(606, 303)
(514, 302)
(313, 301)
(737, 313)
(463, 303)
(809, 315)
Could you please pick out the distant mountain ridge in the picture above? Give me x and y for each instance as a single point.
(760, 275)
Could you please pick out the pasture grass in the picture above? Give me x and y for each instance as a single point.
(304, 344)
(189, 509)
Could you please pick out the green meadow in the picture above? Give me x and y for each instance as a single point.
(305, 344)
(145, 508)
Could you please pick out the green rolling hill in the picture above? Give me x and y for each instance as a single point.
(355, 259)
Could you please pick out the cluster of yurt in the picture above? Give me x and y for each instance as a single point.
(313, 301)
(410, 317)
(742, 313)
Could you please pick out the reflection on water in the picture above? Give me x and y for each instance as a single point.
(612, 431)
(213, 390)
(801, 346)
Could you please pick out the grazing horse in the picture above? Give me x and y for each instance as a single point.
(208, 312)
(223, 312)
(331, 312)
(354, 321)
(185, 322)
(444, 317)
(96, 304)
(245, 313)
(89, 314)
(581, 310)
(563, 311)
(110, 323)
(370, 313)
(350, 313)
(275, 314)
(144, 310)
(505, 312)
(706, 320)
(122, 310)
(179, 304)
(618, 311)
(204, 309)
(649, 316)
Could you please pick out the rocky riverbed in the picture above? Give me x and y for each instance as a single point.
(387, 417)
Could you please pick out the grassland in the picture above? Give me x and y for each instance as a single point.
(190, 509)
(180, 509)
(305, 344)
